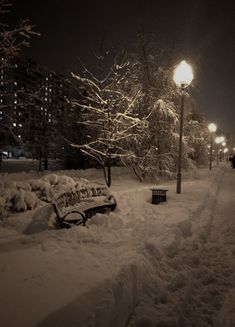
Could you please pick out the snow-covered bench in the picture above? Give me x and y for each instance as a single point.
(75, 207)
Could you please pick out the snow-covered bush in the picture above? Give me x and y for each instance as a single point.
(17, 196)
(51, 178)
(41, 188)
(3, 212)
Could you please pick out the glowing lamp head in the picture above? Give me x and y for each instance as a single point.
(219, 139)
(225, 150)
(224, 144)
(183, 74)
(222, 139)
(212, 128)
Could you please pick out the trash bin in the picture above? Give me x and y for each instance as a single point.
(158, 195)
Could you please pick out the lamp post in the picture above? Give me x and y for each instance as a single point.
(212, 129)
(183, 76)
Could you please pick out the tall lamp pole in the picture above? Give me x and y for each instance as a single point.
(183, 76)
(212, 129)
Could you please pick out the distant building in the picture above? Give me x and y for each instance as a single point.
(32, 100)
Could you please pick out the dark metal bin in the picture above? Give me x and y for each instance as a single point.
(158, 195)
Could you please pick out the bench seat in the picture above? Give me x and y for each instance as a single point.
(71, 208)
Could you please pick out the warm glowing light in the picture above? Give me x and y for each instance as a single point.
(219, 139)
(183, 74)
(224, 143)
(212, 128)
(225, 150)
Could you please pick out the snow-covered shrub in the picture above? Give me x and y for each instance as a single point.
(17, 196)
(23, 185)
(3, 212)
(51, 178)
(19, 202)
(30, 200)
(41, 188)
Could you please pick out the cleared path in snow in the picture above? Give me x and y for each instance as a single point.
(195, 286)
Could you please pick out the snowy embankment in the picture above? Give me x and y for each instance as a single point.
(137, 266)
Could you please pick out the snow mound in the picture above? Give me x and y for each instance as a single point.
(19, 196)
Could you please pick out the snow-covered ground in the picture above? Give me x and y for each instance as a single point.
(142, 265)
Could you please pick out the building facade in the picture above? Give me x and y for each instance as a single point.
(33, 99)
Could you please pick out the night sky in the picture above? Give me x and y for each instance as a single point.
(203, 31)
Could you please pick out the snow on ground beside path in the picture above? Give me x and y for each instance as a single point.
(141, 265)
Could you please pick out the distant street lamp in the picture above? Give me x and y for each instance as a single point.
(223, 144)
(183, 76)
(212, 129)
(219, 140)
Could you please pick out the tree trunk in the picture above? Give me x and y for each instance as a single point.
(108, 173)
(40, 160)
(45, 158)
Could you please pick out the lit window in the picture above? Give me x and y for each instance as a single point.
(14, 124)
(15, 101)
(20, 125)
(45, 99)
(49, 120)
(19, 136)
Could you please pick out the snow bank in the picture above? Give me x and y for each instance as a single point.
(141, 265)
(18, 196)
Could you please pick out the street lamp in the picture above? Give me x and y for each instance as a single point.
(223, 145)
(212, 129)
(219, 140)
(183, 76)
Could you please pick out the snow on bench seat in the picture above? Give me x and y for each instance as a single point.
(76, 207)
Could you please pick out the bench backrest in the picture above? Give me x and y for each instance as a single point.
(69, 198)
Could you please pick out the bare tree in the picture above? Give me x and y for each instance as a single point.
(108, 112)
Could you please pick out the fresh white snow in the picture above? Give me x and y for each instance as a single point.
(142, 265)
